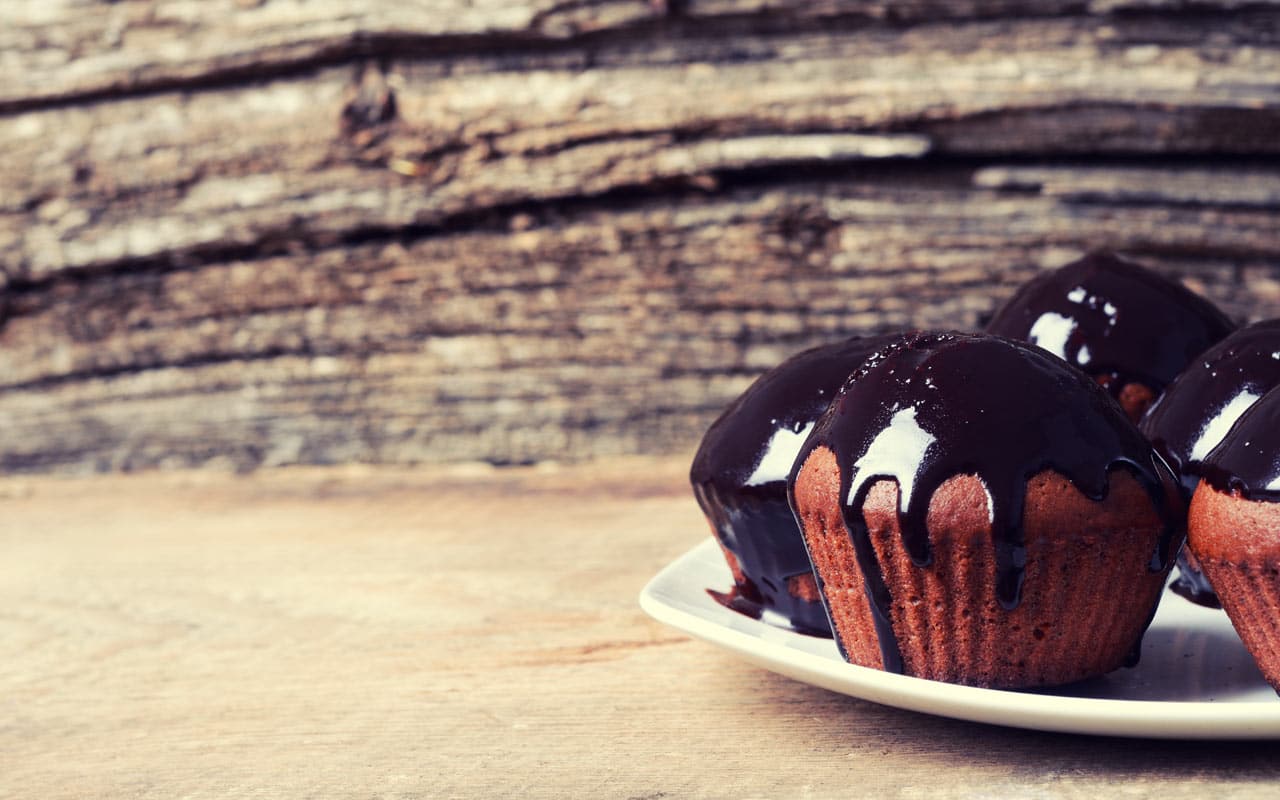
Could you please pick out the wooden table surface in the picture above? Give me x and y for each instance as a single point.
(448, 632)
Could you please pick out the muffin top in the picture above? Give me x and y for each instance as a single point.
(739, 478)
(755, 440)
(1199, 408)
(1114, 319)
(935, 405)
(1247, 460)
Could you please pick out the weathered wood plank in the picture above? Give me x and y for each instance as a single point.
(273, 232)
(64, 50)
(70, 49)
(355, 633)
(575, 334)
(320, 157)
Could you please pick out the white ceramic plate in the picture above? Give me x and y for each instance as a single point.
(1195, 680)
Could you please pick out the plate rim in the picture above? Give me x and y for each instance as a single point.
(1161, 719)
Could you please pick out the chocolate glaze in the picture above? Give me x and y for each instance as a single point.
(1198, 409)
(1116, 320)
(1208, 397)
(1192, 584)
(734, 600)
(740, 473)
(932, 406)
(1247, 460)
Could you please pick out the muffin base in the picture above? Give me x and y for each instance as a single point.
(1237, 542)
(1087, 595)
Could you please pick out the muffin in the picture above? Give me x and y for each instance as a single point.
(739, 477)
(1198, 409)
(979, 512)
(1234, 529)
(1128, 327)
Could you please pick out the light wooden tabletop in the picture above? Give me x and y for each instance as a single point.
(448, 632)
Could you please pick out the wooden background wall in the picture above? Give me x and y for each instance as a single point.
(260, 232)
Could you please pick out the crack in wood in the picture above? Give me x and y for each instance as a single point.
(594, 651)
(215, 60)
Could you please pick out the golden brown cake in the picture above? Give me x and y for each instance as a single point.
(1234, 529)
(979, 512)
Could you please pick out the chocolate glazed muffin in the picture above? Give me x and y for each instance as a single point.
(1198, 410)
(979, 512)
(1130, 328)
(740, 474)
(1234, 529)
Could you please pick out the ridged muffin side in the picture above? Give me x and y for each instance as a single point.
(1237, 542)
(1088, 592)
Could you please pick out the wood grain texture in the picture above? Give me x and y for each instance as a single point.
(606, 332)
(260, 233)
(447, 633)
(70, 49)
(347, 150)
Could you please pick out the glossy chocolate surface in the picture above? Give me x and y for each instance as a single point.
(1247, 460)
(1118, 321)
(740, 473)
(937, 405)
(1199, 408)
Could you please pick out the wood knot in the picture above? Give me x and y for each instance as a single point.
(370, 105)
(805, 227)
